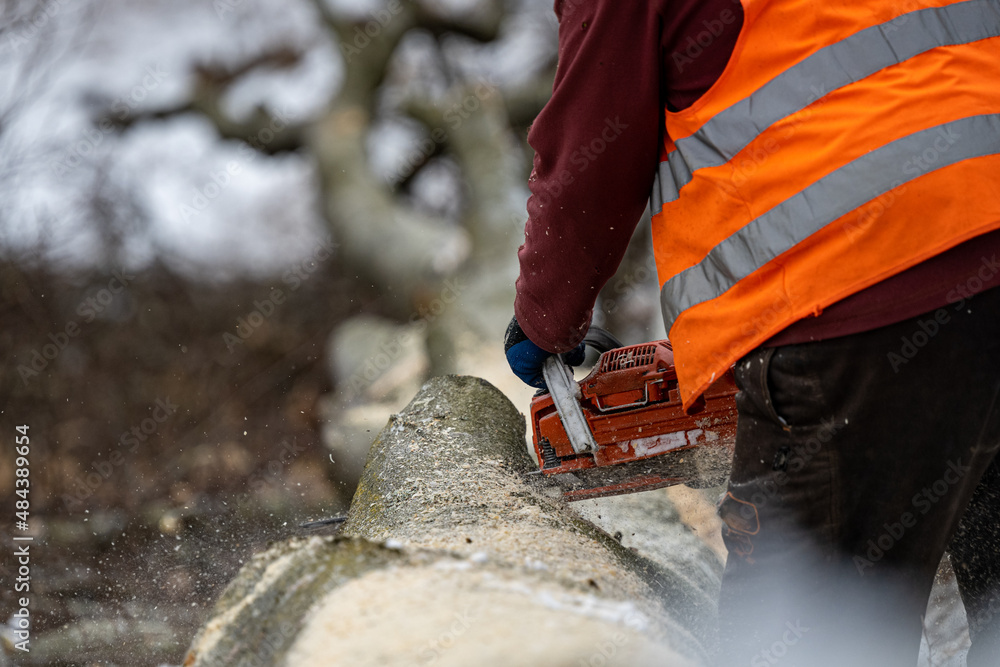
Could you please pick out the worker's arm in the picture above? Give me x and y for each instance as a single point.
(597, 146)
(596, 151)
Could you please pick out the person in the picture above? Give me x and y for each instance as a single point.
(824, 180)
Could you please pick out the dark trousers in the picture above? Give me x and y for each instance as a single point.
(859, 461)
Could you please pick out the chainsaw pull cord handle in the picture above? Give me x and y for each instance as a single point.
(566, 392)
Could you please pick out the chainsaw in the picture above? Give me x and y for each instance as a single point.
(622, 429)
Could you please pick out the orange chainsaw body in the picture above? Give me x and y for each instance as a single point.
(633, 408)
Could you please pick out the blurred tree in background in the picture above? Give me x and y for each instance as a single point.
(410, 171)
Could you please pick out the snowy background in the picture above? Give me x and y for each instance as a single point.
(67, 67)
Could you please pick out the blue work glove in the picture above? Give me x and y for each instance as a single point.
(526, 358)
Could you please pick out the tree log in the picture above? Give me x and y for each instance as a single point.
(452, 555)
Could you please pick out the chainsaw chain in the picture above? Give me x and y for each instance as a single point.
(549, 457)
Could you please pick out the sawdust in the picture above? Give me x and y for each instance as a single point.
(650, 523)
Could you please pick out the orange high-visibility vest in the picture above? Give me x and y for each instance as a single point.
(844, 142)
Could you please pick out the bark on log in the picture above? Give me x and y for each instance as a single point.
(452, 556)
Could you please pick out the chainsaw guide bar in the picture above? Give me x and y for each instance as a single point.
(627, 430)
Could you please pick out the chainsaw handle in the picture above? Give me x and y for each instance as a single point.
(566, 397)
(566, 392)
(601, 340)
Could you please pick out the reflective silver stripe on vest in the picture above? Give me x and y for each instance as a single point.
(826, 200)
(830, 68)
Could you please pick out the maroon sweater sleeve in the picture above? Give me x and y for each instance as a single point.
(597, 145)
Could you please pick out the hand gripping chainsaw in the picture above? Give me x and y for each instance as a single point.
(622, 428)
